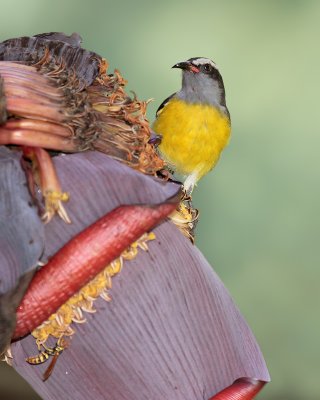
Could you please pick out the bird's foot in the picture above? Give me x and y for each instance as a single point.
(155, 139)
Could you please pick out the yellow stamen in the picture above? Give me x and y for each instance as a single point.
(53, 203)
(59, 323)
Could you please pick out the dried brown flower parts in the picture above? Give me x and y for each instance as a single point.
(59, 97)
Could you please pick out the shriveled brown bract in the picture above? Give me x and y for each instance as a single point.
(59, 96)
(56, 96)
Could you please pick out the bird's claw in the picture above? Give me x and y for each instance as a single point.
(155, 139)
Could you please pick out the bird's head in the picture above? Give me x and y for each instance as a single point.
(198, 65)
(201, 81)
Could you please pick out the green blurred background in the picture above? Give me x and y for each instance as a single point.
(260, 220)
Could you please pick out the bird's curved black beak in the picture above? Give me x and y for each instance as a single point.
(183, 65)
(187, 66)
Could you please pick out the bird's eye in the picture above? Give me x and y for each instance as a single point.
(207, 67)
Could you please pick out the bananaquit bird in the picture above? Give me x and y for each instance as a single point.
(194, 123)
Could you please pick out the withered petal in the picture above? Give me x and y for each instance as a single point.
(74, 39)
(30, 50)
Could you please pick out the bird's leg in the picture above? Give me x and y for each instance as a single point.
(190, 183)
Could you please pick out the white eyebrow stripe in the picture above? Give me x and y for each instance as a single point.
(201, 61)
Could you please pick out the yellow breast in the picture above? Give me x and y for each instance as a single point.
(193, 136)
